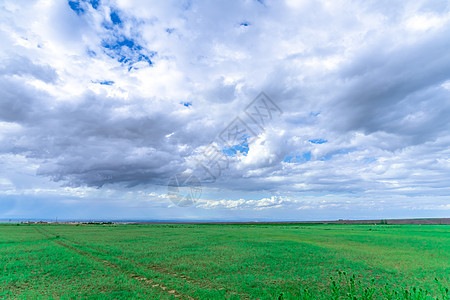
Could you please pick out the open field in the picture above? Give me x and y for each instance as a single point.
(214, 261)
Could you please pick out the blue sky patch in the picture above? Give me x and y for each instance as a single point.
(298, 158)
(127, 51)
(318, 141)
(79, 6)
(94, 3)
(104, 82)
(233, 150)
(122, 42)
(115, 18)
(76, 7)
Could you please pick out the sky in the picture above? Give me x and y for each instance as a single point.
(224, 110)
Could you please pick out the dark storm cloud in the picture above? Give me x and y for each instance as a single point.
(21, 65)
(20, 102)
(86, 144)
(83, 142)
(396, 87)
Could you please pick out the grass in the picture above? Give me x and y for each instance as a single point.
(225, 261)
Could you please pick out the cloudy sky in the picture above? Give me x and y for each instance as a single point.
(103, 102)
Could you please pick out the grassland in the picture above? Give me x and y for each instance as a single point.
(225, 261)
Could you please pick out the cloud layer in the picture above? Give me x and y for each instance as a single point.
(101, 97)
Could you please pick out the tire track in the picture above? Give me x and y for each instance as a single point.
(140, 278)
(157, 269)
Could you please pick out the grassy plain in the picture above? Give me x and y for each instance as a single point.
(225, 261)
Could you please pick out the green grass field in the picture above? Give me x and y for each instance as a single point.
(224, 261)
